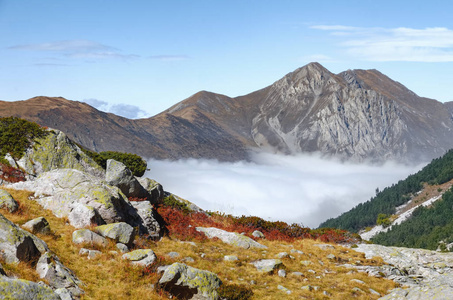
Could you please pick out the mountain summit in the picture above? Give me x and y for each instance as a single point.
(354, 115)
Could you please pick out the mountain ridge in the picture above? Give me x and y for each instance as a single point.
(355, 115)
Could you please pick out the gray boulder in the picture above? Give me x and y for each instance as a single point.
(86, 236)
(120, 232)
(82, 215)
(57, 151)
(141, 257)
(90, 254)
(258, 234)
(231, 238)
(25, 290)
(148, 216)
(57, 275)
(186, 282)
(18, 245)
(267, 265)
(38, 225)
(155, 190)
(117, 174)
(7, 201)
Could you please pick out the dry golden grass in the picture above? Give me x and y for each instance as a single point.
(108, 276)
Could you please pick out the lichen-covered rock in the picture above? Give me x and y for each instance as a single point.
(25, 290)
(57, 275)
(61, 190)
(231, 238)
(38, 225)
(117, 174)
(141, 257)
(120, 232)
(155, 190)
(7, 201)
(258, 234)
(89, 237)
(18, 245)
(267, 265)
(57, 151)
(149, 219)
(186, 282)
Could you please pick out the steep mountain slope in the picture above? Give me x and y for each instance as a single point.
(415, 212)
(355, 115)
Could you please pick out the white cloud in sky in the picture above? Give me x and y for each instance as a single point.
(296, 189)
(125, 110)
(395, 44)
(79, 49)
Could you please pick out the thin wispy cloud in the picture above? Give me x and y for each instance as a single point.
(395, 44)
(169, 57)
(302, 189)
(77, 49)
(125, 110)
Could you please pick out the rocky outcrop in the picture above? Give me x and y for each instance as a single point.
(19, 245)
(149, 224)
(117, 174)
(186, 282)
(425, 274)
(231, 238)
(63, 190)
(154, 189)
(267, 265)
(51, 269)
(11, 288)
(7, 202)
(57, 151)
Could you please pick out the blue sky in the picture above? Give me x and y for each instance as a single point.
(137, 58)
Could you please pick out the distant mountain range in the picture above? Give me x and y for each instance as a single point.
(355, 115)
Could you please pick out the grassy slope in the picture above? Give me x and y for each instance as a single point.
(110, 277)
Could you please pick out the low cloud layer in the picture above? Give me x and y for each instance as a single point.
(121, 109)
(296, 189)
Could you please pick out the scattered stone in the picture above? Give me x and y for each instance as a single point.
(120, 232)
(57, 275)
(185, 282)
(89, 253)
(295, 251)
(331, 257)
(89, 237)
(230, 258)
(281, 273)
(258, 234)
(38, 225)
(356, 290)
(299, 274)
(64, 294)
(374, 292)
(7, 202)
(188, 259)
(141, 257)
(252, 282)
(307, 288)
(173, 254)
(282, 288)
(282, 255)
(25, 290)
(311, 271)
(306, 262)
(321, 262)
(357, 281)
(325, 293)
(267, 265)
(231, 238)
(324, 246)
(123, 248)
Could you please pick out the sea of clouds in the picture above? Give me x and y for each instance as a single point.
(303, 189)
